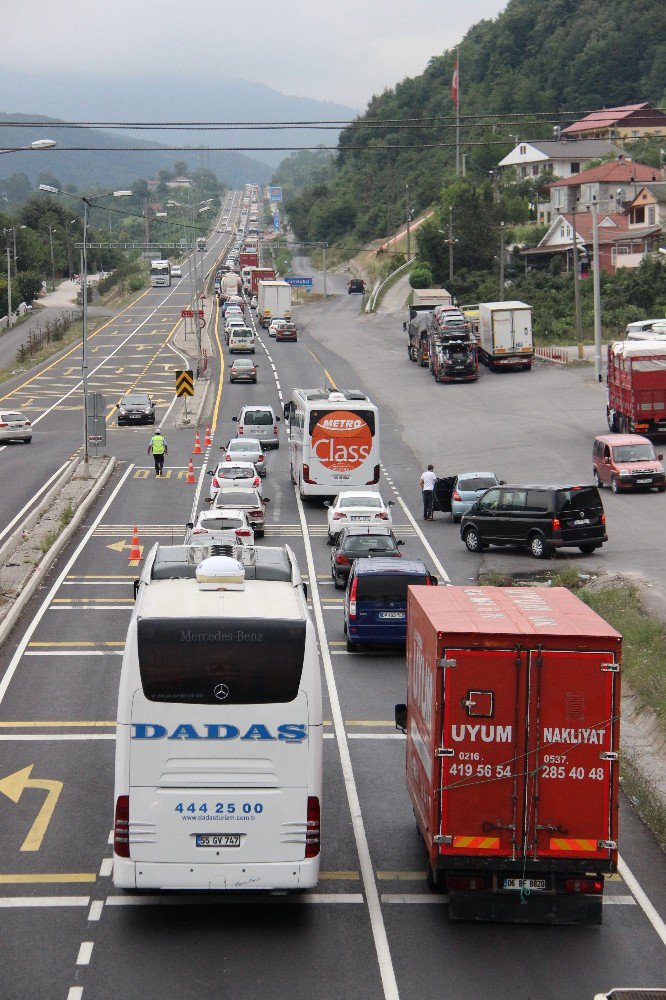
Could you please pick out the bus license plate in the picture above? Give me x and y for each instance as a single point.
(392, 614)
(534, 884)
(218, 839)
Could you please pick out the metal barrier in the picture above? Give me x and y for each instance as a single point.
(377, 290)
(560, 355)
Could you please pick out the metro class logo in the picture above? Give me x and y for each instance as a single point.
(341, 441)
(288, 732)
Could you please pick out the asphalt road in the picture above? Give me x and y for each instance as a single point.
(67, 933)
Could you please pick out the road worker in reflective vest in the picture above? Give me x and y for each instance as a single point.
(158, 448)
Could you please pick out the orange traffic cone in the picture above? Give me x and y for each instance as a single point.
(207, 440)
(197, 444)
(135, 549)
(190, 473)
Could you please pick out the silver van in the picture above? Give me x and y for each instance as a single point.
(259, 422)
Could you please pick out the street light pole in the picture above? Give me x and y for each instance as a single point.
(576, 278)
(450, 242)
(409, 214)
(9, 289)
(52, 260)
(596, 277)
(501, 264)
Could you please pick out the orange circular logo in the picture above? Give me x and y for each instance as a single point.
(341, 441)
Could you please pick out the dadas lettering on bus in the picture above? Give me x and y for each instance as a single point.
(288, 732)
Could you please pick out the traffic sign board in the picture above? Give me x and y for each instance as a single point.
(275, 194)
(299, 282)
(185, 383)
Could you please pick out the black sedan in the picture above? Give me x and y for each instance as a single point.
(361, 541)
(243, 370)
(136, 408)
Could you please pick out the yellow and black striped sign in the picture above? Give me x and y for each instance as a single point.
(185, 383)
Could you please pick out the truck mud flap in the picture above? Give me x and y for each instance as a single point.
(504, 907)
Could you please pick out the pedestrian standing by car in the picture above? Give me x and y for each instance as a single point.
(158, 447)
(428, 480)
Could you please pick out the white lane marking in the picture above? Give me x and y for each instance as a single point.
(384, 960)
(375, 736)
(426, 544)
(91, 607)
(85, 953)
(642, 900)
(75, 993)
(422, 898)
(106, 868)
(32, 628)
(21, 514)
(95, 911)
(254, 899)
(10, 902)
(66, 652)
(197, 492)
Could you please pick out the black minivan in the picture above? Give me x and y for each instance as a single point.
(542, 518)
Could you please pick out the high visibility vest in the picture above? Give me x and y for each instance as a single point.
(158, 444)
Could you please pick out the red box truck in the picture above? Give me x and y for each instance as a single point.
(512, 724)
(260, 274)
(637, 387)
(248, 258)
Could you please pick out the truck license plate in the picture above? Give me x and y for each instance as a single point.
(534, 884)
(218, 839)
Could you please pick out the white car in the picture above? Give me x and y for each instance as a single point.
(276, 324)
(237, 496)
(245, 449)
(222, 527)
(357, 507)
(254, 302)
(176, 271)
(15, 426)
(233, 323)
(240, 473)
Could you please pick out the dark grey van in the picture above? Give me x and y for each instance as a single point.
(541, 518)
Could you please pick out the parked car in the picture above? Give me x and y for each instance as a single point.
(243, 370)
(375, 607)
(221, 527)
(260, 421)
(240, 497)
(136, 408)
(355, 285)
(540, 518)
(467, 489)
(176, 271)
(627, 462)
(356, 507)
(15, 426)
(246, 449)
(361, 541)
(240, 473)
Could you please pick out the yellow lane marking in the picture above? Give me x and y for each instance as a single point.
(90, 600)
(76, 347)
(38, 878)
(326, 372)
(53, 645)
(218, 397)
(400, 876)
(370, 722)
(53, 723)
(13, 787)
(100, 576)
(342, 876)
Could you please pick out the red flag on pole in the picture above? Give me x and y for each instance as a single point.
(454, 84)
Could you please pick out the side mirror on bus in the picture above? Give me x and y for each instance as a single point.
(401, 718)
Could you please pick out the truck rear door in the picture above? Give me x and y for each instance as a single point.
(572, 757)
(502, 320)
(481, 751)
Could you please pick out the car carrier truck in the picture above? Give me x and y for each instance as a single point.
(512, 722)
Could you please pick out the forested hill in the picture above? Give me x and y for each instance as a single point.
(552, 56)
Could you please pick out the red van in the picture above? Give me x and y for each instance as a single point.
(627, 461)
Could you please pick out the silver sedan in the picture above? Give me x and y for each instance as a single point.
(246, 449)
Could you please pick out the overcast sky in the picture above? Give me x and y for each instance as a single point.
(342, 51)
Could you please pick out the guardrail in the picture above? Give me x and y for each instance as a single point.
(560, 355)
(377, 290)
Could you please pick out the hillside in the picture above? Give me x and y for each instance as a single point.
(556, 56)
(104, 167)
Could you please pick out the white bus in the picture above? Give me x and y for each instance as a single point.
(219, 732)
(333, 440)
(160, 273)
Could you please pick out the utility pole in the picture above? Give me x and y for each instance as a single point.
(501, 263)
(52, 260)
(576, 279)
(450, 242)
(9, 289)
(409, 247)
(596, 277)
(324, 249)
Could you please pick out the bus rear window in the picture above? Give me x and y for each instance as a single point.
(212, 662)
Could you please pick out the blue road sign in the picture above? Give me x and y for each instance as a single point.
(299, 282)
(275, 194)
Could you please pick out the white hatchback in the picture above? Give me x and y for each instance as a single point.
(222, 527)
(356, 507)
(15, 426)
(240, 473)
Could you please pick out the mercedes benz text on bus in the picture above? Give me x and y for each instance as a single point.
(334, 440)
(219, 731)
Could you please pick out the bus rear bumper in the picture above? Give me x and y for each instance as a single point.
(129, 874)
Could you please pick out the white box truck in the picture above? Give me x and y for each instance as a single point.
(274, 299)
(505, 335)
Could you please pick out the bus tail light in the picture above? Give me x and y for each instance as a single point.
(375, 478)
(313, 833)
(121, 827)
(352, 598)
(584, 885)
(306, 475)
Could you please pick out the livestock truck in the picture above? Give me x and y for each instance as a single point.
(274, 300)
(248, 258)
(505, 335)
(260, 274)
(512, 722)
(637, 387)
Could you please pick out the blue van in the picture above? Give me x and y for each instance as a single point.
(376, 600)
